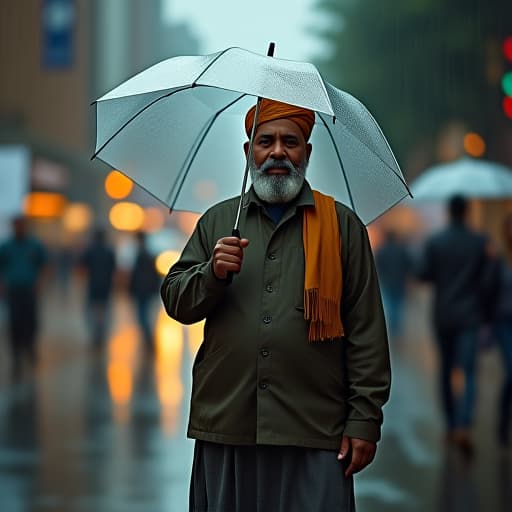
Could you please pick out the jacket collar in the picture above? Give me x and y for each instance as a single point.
(304, 198)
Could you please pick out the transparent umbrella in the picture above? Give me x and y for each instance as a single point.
(177, 130)
(470, 177)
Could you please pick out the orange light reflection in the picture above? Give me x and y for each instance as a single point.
(121, 368)
(169, 350)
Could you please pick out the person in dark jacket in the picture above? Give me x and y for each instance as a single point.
(290, 380)
(98, 262)
(394, 266)
(454, 262)
(143, 287)
(502, 330)
(22, 260)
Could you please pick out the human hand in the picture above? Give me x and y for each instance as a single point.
(358, 451)
(228, 255)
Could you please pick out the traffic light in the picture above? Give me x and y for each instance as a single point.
(506, 80)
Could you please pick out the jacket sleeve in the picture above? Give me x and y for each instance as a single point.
(367, 363)
(190, 291)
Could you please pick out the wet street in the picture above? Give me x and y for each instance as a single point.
(106, 432)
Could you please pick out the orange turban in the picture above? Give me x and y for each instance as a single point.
(270, 110)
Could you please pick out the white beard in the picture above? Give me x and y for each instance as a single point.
(275, 189)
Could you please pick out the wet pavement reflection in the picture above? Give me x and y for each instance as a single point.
(89, 431)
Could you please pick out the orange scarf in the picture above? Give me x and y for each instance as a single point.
(323, 274)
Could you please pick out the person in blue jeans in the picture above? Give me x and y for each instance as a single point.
(502, 329)
(394, 265)
(22, 261)
(454, 261)
(144, 285)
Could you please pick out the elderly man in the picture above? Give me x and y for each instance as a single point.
(290, 380)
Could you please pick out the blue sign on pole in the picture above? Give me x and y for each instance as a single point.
(57, 30)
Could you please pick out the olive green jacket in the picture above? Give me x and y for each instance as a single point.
(256, 377)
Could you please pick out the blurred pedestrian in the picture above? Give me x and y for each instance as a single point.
(394, 266)
(290, 380)
(99, 264)
(454, 261)
(64, 259)
(502, 331)
(144, 284)
(22, 260)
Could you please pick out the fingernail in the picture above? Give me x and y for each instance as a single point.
(340, 456)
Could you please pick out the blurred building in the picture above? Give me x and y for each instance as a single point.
(56, 57)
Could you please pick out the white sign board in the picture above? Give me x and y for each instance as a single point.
(14, 179)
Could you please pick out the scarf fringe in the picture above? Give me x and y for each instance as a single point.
(323, 315)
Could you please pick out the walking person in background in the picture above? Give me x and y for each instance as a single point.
(99, 265)
(22, 260)
(290, 380)
(394, 266)
(144, 285)
(454, 261)
(502, 331)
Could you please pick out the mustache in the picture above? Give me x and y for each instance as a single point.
(273, 163)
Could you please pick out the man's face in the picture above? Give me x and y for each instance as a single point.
(280, 157)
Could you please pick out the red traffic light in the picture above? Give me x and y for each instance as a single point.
(507, 106)
(507, 48)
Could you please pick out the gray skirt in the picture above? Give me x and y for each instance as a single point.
(264, 478)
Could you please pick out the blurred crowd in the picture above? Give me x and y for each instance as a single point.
(27, 265)
(471, 285)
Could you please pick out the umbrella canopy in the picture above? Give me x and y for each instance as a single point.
(177, 129)
(467, 176)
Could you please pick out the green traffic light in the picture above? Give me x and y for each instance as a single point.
(506, 83)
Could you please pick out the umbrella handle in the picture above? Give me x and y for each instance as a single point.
(234, 232)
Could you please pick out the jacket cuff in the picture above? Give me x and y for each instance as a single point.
(366, 430)
(212, 282)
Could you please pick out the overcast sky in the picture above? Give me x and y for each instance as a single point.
(252, 25)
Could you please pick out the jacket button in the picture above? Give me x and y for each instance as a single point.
(267, 319)
(264, 352)
(272, 256)
(269, 288)
(263, 384)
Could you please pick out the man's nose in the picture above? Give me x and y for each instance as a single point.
(278, 150)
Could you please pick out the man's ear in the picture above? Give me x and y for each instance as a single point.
(309, 148)
(246, 148)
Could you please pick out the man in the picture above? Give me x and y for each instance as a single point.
(393, 268)
(99, 264)
(289, 383)
(144, 283)
(22, 259)
(454, 261)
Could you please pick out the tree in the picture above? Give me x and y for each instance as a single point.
(417, 64)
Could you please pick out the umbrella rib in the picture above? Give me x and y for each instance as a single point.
(341, 163)
(96, 153)
(210, 65)
(194, 150)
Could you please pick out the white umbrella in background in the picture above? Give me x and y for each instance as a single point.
(470, 177)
